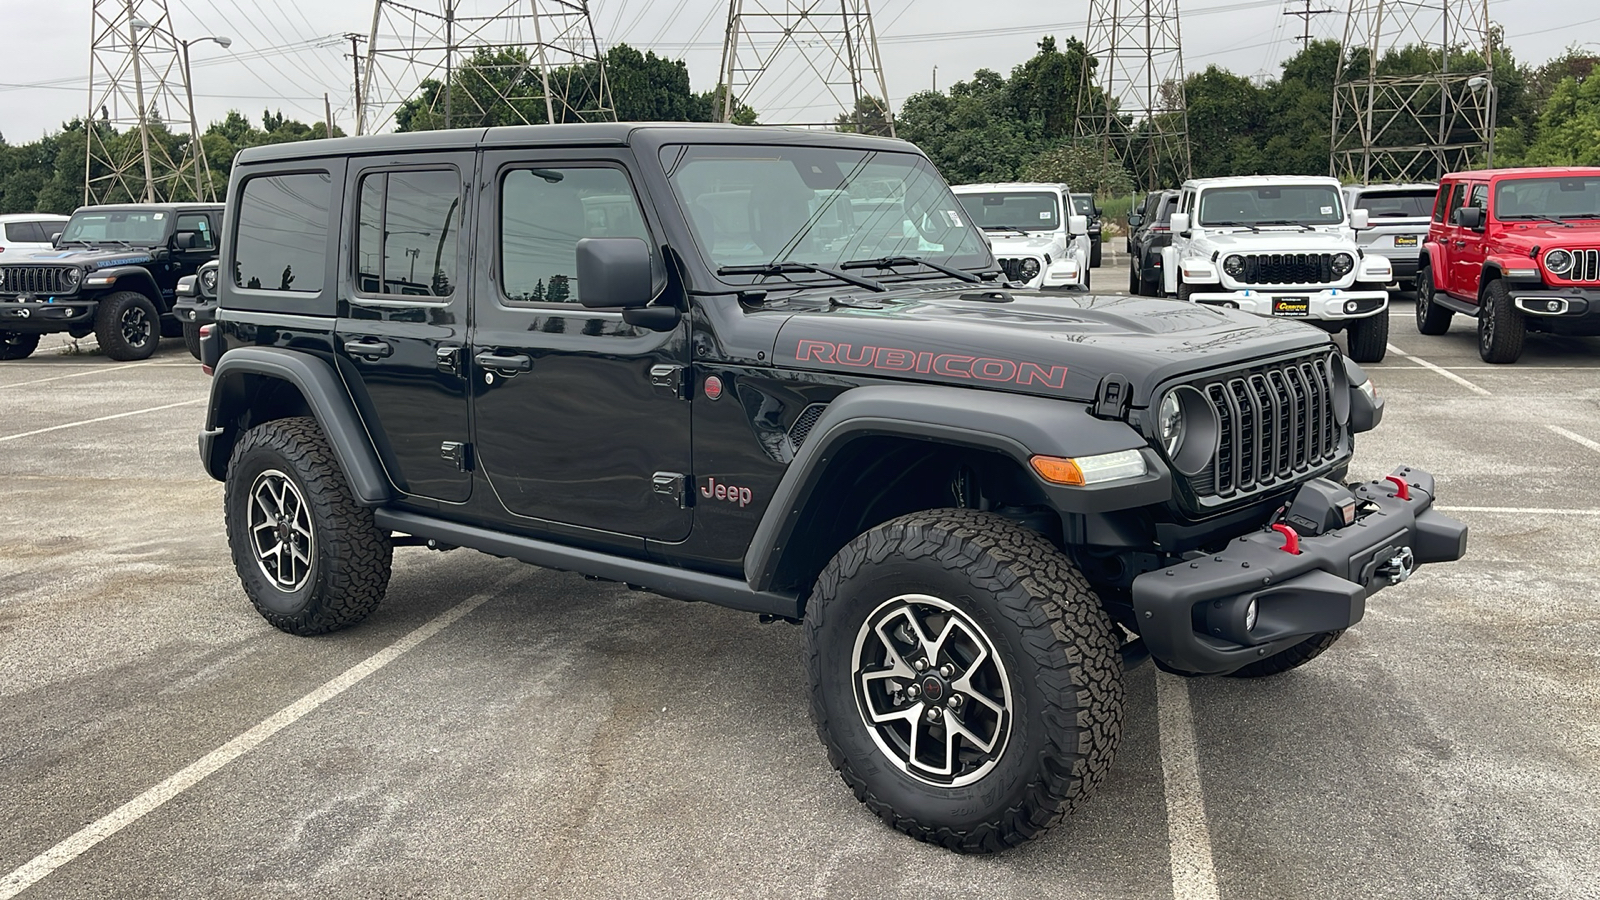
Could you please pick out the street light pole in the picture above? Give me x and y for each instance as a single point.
(202, 168)
(1492, 98)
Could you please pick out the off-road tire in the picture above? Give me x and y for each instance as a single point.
(1501, 328)
(350, 559)
(17, 345)
(118, 324)
(1135, 283)
(1088, 279)
(1049, 629)
(1292, 658)
(1431, 317)
(1096, 254)
(191, 338)
(1368, 338)
(1185, 291)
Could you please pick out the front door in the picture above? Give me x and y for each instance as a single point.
(1468, 250)
(580, 418)
(402, 328)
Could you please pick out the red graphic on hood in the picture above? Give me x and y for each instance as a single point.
(950, 365)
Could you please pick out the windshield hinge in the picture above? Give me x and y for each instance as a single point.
(1112, 398)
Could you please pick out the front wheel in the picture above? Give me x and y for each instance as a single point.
(1431, 317)
(1134, 281)
(964, 678)
(191, 338)
(128, 326)
(1369, 338)
(1185, 291)
(16, 345)
(1501, 329)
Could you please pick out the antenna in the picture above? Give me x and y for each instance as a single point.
(832, 44)
(1413, 127)
(136, 85)
(473, 63)
(1139, 118)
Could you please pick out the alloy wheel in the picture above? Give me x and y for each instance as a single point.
(281, 533)
(135, 326)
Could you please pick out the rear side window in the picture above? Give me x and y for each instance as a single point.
(1458, 195)
(406, 242)
(18, 232)
(1396, 204)
(1441, 202)
(282, 235)
(543, 215)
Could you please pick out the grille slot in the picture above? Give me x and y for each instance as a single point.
(804, 422)
(35, 280)
(1277, 425)
(1288, 268)
(1585, 265)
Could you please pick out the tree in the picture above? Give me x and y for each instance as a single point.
(871, 116)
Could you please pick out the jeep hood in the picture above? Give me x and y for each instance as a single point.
(1051, 344)
(1284, 241)
(89, 258)
(1525, 236)
(1008, 243)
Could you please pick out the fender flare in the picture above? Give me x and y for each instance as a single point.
(324, 393)
(136, 278)
(1169, 269)
(1016, 425)
(1430, 258)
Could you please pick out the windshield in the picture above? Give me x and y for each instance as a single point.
(1397, 204)
(1563, 198)
(133, 226)
(1286, 204)
(760, 205)
(1032, 210)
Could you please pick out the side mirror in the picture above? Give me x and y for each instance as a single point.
(614, 272)
(55, 239)
(183, 240)
(1360, 218)
(1135, 220)
(1180, 223)
(1469, 217)
(1077, 225)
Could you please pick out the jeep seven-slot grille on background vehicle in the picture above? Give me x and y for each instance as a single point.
(34, 280)
(1277, 425)
(1288, 268)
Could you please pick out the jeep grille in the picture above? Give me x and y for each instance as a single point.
(1012, 266)
(1288, 268)
(1585, 266)
(35, 280)
(1277, 426)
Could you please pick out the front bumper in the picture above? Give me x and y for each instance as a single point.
(197, 312)
(1191, 615)
(45, 316)
(1334, 304)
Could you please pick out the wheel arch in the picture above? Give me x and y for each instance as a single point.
(138, 280)
(259, 384)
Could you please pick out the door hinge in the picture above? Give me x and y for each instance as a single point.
(669, 378)
(458, 453)
(448, 359)
(672, 484)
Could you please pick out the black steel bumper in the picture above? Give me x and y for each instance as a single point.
(1559, 310)
(45, 317)
(202, 311)
(1193, 616)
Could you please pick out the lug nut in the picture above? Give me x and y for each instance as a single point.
(913, 691)
(933, 714)
(955, 701)
(947, 670)
(920, 665)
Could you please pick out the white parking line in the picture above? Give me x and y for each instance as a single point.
(95, 371)
(1576, 438)
(121, 415)
(1194, 876)
(1439, 370)
(191, 775)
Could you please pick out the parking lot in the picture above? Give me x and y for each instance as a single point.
(497, 730)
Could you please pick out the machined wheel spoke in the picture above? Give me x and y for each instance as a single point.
(965, 687)
(954, 726)
(281, 529)
(909, 714)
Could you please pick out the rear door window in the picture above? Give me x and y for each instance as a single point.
(406, 242)
(1441, 201)
(281, 240)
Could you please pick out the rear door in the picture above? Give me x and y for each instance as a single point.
(1469, 247)
(402, 326)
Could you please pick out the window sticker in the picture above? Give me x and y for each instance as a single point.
(159, 216)
(1327, 210)
(1045, 214)
(954, 217)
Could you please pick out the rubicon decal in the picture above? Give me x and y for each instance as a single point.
(950, 365)
(716, 490)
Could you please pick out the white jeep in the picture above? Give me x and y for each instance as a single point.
(1036, 238)
(1280, 246)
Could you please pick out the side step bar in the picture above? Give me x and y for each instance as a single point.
(669, 581)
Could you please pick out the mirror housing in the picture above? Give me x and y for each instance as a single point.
(1180, 223)
(1360, 218)
(183, 240)
(55, 239)
(1135, 220)
(614, 272)
(1077, 225)
(1469, 217)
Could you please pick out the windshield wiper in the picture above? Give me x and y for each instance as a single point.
(1540, 217)
(787, 266)
(1017, 229)
(1285, 222)
(1583, 216)
(1230, 225)
(889, 262)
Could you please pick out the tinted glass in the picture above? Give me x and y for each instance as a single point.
(1553, 197)
(145, 227)
(1289, 204)
(1167, 206)
(1083, 204)
(1457, 197)
(406, 238)
(18, 232)
(1006, 210)
(200, 227)
(282, 232)
(1397, 204)
(1480, 196)
(543, 215)
(754, 205)
(1442, 202)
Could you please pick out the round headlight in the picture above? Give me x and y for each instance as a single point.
(72, 277)
(1030, 268)
(1169, 424)
(1342, 264)
(1559, 262)
(1234, 266)
(208, 281)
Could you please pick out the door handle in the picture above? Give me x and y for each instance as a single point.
(508, 365)
(1460, 244)
(368, 348)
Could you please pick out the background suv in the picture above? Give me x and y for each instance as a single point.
(1150, 232)
(1397, 223)
(28, 231)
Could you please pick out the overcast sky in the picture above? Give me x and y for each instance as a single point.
(49, 44)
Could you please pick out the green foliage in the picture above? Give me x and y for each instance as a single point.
(871, 116)
(1080, 164)
(1568, 133)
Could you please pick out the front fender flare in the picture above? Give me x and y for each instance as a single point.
(133, 278)
(1015, 425)
(323, 392)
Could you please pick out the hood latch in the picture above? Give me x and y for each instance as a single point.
(1112, 398)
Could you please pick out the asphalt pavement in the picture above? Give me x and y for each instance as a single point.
(496, 730)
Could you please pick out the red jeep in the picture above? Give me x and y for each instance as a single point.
(1519, 249)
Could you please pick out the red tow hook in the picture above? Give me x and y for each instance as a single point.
(1405, 491)
(1291, 539)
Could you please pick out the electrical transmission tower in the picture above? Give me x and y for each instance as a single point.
(1400, 126)
(1138, 114)
(136, 86)
(466, 63)
(826, 42)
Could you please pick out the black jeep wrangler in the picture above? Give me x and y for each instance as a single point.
(196, 304)
(113, 273)
(780, 371)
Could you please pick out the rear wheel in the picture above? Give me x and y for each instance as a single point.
(191, 338)
(16, 345)
(1369, 338)
(1292, 658)
(1431, 317)
(964, 678)
(1501, 329)
(128, 326)
(1095, 255)
(1185, 291)
(1088, 278)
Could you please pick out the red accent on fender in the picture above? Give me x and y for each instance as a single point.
(1405, 490)
(1291, 539)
